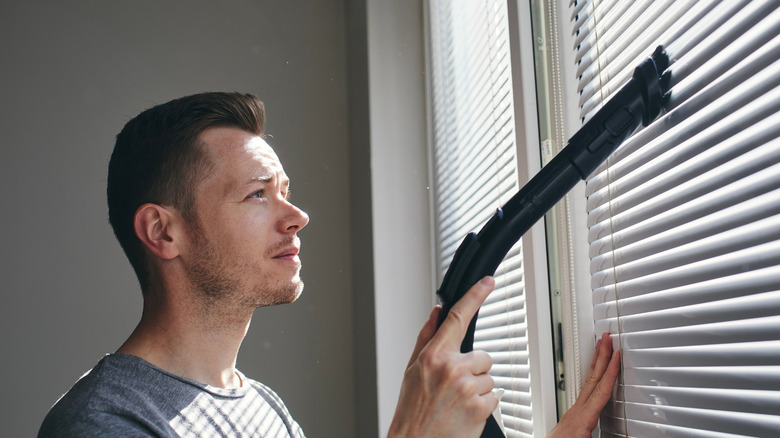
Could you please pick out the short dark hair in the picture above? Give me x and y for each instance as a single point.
(158, 159)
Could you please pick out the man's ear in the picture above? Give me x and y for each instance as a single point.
(158, 229)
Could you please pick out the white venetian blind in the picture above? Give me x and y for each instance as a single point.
(475, 171)
(684, 220)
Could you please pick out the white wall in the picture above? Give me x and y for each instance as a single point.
(72, 73)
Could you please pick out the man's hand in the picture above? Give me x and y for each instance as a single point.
(445, 392)
(580, 420)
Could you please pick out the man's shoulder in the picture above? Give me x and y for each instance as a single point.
(127, 394)
(117, 395)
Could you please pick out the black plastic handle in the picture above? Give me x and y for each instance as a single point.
(639, 101)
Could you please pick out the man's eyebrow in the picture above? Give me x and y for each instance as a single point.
(268, 177)
(264, 178)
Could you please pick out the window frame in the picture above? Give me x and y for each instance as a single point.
(566, 228)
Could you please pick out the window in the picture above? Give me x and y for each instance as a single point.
(475, 170)
(679, 232)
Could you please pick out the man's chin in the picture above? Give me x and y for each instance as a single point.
(298, 291)
(283, 295)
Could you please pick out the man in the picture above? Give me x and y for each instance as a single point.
(199, 203)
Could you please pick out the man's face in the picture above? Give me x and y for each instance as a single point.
(244, 247)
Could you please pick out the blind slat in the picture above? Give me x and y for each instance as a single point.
(690, 201)
(718, 421)
(736, 354)
(739, 400)
(739, 285)
(754, 258)
(691, 254)
(634, 243)
(752, 306)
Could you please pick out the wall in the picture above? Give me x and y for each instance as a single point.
(72, 74)
(366, 414)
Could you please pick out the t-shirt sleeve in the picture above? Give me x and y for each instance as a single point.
(90, 424)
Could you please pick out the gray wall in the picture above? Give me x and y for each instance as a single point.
(72, 73)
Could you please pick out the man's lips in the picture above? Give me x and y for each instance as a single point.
(286, 250)
(288, 254)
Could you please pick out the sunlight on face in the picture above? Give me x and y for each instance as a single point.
(245, 250)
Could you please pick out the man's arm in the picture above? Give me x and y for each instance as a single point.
(448, 393)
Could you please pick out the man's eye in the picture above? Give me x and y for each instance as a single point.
(258, 194)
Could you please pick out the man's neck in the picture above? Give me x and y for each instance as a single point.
(196, 342)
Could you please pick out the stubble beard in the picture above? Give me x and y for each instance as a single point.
(218, 282)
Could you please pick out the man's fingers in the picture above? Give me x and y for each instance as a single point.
(603, 355)
(601, 358)
(603, 389)
(491, 400)
(595, 356)
(584, 414)
(483, 384)
(454, 327)
(425, 335)
(480, 362)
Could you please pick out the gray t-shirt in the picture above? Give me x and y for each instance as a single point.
(126, 396)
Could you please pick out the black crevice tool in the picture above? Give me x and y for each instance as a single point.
(639, 101)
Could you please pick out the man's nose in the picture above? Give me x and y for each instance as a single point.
(297, 219)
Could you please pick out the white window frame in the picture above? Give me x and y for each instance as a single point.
(542, 365)
(578, 334)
